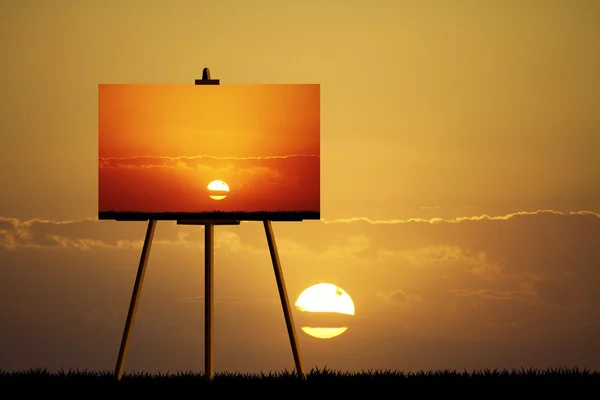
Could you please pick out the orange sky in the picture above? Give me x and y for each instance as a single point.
(159, 147)
(444, 127)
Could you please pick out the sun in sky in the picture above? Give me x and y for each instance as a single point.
(218, 190)
(325, 298)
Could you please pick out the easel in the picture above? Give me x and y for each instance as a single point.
(208, 283)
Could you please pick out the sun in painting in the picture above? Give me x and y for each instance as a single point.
(218, 190)
(325, 298)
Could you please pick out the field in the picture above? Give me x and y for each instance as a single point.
(211, 215)
(84, 384)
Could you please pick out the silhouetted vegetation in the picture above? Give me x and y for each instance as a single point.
(190, 384)
(212, 215)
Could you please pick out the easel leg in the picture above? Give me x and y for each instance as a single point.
(208, 300)
(137, 287)
(289, 322)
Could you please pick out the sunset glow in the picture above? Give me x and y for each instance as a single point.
(160, 146)
(450, 150)
(325, 298)
(218, 190)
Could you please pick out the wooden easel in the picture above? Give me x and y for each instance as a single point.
(208, 283)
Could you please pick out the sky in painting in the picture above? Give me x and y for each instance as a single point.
(460, 185)
(160, 146)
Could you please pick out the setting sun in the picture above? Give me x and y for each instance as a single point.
(325, 298)
(218, 190)
(323, 333)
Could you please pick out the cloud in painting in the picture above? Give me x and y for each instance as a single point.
(179, 183)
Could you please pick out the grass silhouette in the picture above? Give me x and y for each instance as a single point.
(211, 215)
(189, 384)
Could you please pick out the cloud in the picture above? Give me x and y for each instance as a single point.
(245, 170)
(546, 254)
(39, 233)
(528, 277)
(455, 220)
(149, 161)
(186, 177)
(445, 256)
(399, 297)
(493, 295)
(89, 233)
(351, 247)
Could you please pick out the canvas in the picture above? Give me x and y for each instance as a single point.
(209, 152)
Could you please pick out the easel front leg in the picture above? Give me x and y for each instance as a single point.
(208, 301)
(285, 304)
(137, 287)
